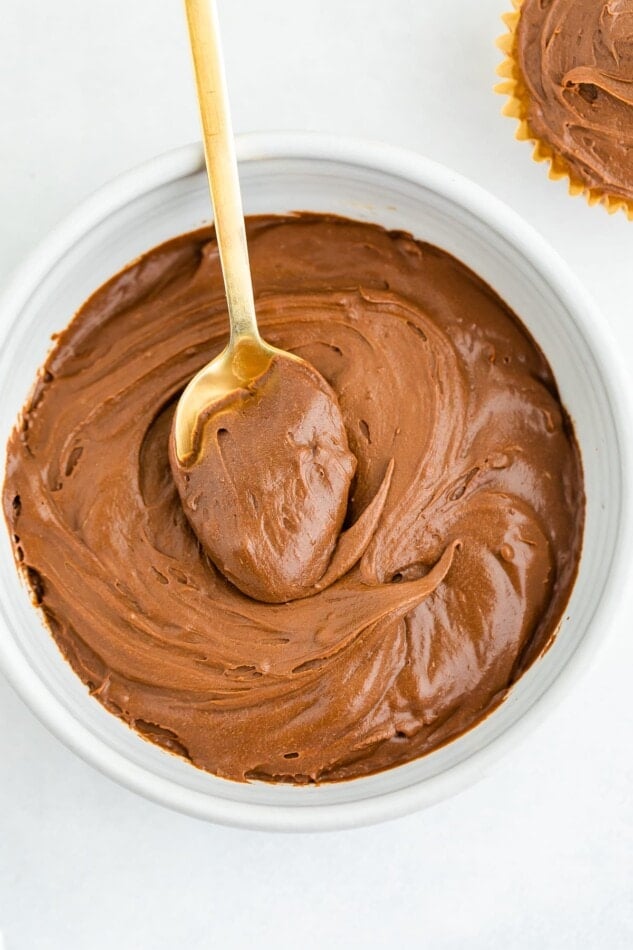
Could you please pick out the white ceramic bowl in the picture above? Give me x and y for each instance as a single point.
(372, 182)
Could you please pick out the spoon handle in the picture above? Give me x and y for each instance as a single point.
(219, 148)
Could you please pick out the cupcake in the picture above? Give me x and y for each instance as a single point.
(568, 74)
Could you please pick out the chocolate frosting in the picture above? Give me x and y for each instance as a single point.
(576, 59)
(266, 492)
(464, 459)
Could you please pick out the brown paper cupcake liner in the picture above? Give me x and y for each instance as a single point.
(513, 86)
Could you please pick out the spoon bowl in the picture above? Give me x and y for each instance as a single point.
(240, 363)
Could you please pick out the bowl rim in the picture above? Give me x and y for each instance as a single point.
(413, 167)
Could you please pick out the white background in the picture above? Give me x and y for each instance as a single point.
(539, 855)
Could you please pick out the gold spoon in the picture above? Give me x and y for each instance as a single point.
(256, 416)
(247, 356)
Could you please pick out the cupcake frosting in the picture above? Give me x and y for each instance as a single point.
(576, 60)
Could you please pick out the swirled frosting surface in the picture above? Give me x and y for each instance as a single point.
(576, 58)
(460, 443)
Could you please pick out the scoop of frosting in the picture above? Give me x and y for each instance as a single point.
(576, 60)
(267, 493)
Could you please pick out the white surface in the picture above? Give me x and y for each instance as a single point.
(540, 854)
